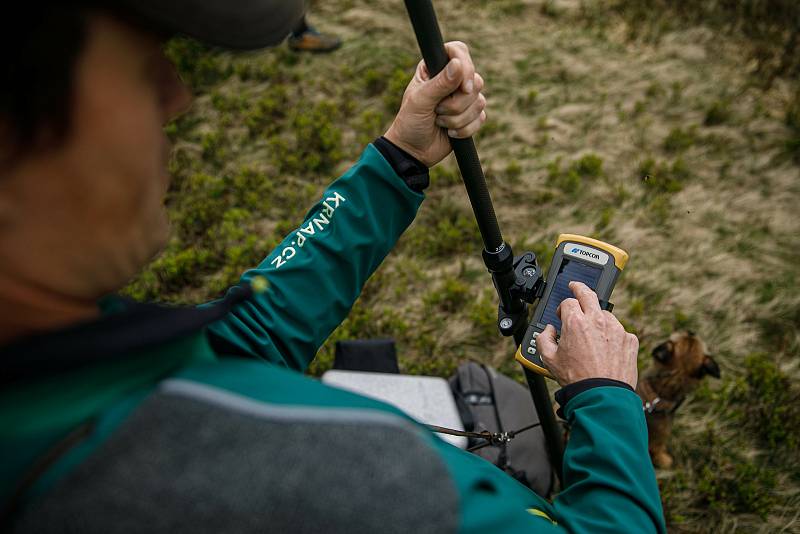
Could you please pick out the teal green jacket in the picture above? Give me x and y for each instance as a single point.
(263, 346)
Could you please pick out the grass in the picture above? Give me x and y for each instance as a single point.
(792, 120)
(596, 126)
(768, 31)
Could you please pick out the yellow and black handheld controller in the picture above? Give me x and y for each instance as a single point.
(577, 258)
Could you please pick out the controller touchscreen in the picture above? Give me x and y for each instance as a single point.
(569, 271)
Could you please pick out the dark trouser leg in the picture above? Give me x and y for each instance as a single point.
(301, 27)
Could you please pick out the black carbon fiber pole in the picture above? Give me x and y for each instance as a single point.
(497, 256)
(426, 27)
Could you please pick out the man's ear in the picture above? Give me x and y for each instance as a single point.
(710, 367)
(663, 352)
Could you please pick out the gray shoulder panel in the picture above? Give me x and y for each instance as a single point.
(194, 458)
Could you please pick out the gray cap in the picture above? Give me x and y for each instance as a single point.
(240, 24)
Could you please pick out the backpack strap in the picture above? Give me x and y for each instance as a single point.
(502, 458)
(464, 412)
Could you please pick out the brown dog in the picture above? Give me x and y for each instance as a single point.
(679, 365)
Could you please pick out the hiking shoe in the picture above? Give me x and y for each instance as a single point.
(313, 41)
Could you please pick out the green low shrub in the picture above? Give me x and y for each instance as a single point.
(718, 112)
(395, 87)
(589, 166)
(444, 175)
(369, 125)
(318, 139)
(680, 139)
(444, 230)
(663, 177)
(571, 179)
(729, 482)
(793, 123)
(513, 170)
(768, 405)
(528, 100)
(450, 297)
(176, 270)
(198, 65)
(213, 148)
(265, 115)
(482, 313)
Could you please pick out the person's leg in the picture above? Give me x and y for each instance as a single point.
(301, 27)
(305, 38)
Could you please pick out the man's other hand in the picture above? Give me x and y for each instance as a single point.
(593, 343)
(451, 104)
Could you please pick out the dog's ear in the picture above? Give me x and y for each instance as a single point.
(710, 367)
(663, 352)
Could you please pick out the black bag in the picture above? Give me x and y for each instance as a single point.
(371, 355)
(488, 400)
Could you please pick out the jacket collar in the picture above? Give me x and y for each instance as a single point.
(137, 326)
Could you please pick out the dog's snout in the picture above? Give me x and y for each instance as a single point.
(710, 367)
(663, 352)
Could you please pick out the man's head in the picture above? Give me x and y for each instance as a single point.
(88, 191)
(83, 156)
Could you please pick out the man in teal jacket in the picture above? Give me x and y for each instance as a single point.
(117, 416)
